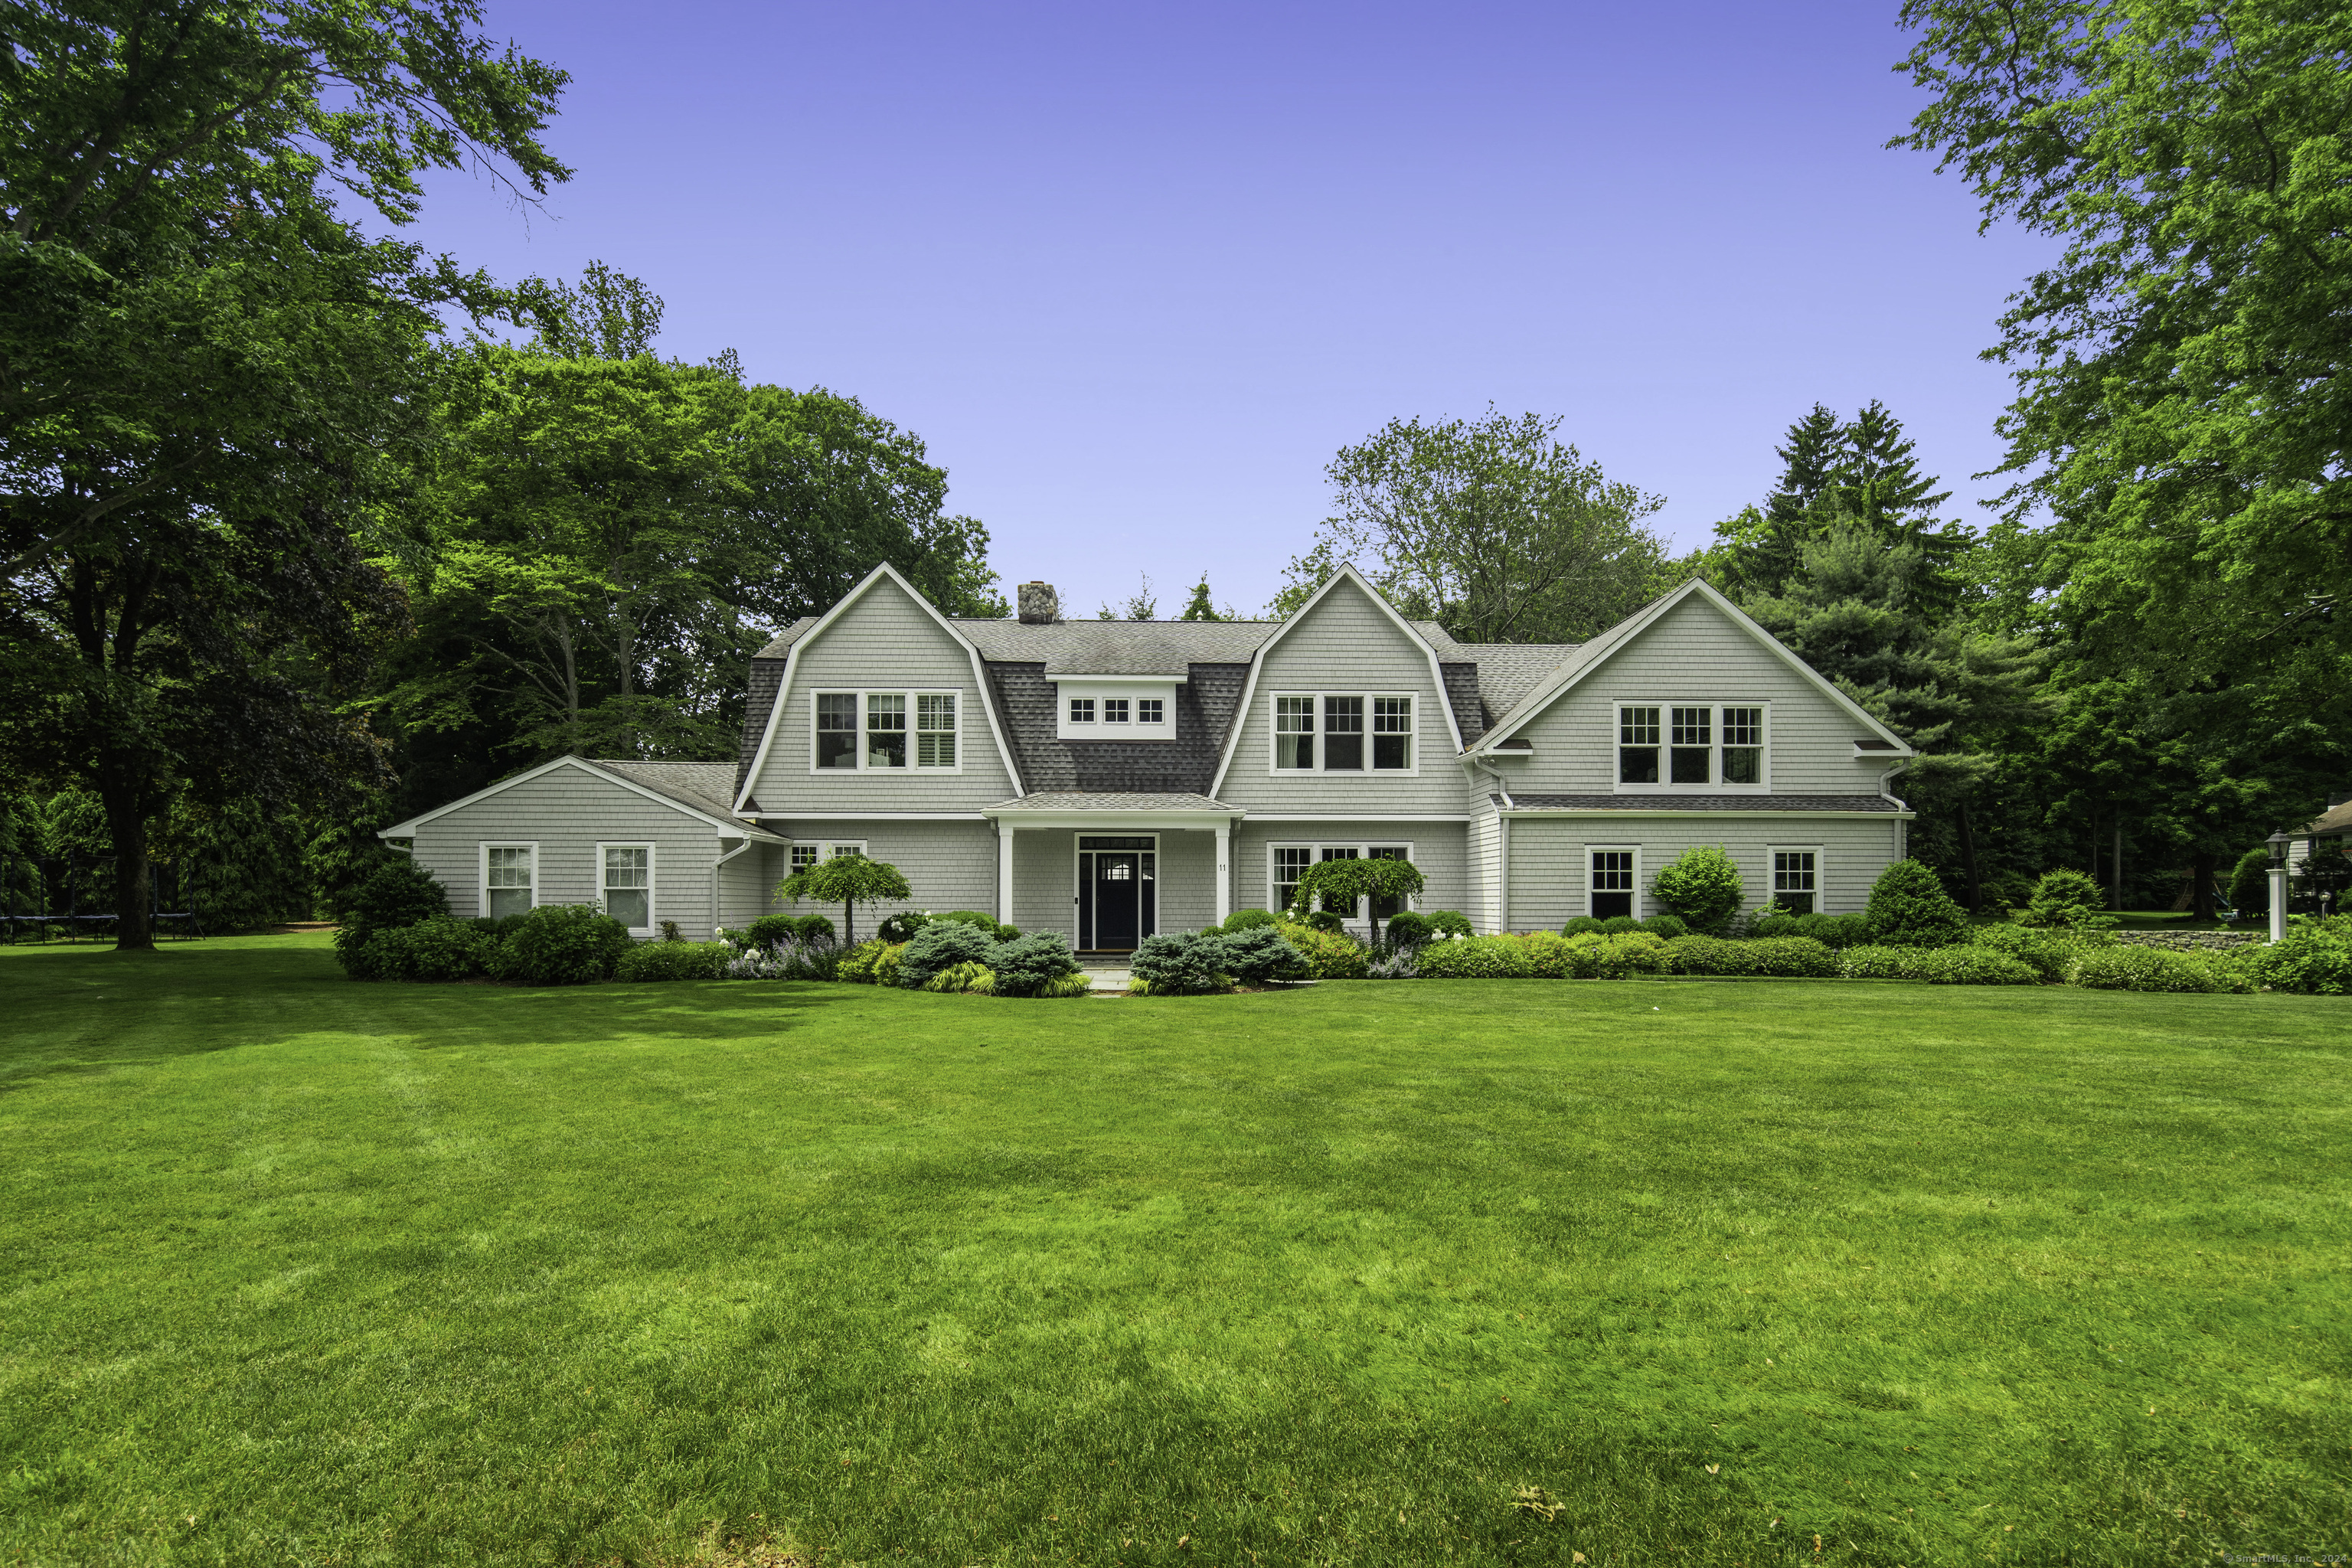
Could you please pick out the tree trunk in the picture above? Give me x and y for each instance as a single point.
(2200, 888)
(848, 924)
(2116, 869)
(1968, 859)
(126, 824)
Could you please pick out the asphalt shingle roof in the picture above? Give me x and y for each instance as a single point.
(705, 786)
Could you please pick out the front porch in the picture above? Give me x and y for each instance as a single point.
(1109, 869)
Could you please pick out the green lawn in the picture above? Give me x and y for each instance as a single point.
(297, 1270)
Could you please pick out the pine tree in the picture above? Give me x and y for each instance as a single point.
(1810, 464)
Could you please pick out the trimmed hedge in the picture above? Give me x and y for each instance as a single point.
(1936, 966)
(2133, 968)
(1793, 956)
(440, 949)
(675, 961)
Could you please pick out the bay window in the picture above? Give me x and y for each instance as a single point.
(1690, 746)
(867, 731)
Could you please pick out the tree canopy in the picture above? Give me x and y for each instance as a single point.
(1493, 527)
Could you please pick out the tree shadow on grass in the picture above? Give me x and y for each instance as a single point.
(92, 1011)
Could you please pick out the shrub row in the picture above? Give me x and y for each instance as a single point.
(554, 944)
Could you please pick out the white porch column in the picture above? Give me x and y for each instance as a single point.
(1004, 873)
(1224, 871)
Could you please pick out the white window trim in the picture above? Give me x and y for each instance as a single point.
(653, 879)
(1102, 689)
(827, 848)
(1273, 741)
(482, 869)
(1666, 707)
(1315, 847)
(911, 693)
(1592, 850)
(1821, 872)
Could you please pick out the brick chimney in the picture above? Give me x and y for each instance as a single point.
(1039, 606)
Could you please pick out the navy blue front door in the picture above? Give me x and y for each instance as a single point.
(1118, 889)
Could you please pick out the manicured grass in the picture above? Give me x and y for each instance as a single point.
(297, 1270)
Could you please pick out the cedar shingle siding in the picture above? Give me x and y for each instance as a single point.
(1502, 831)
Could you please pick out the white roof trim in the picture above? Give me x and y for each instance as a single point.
(726, 825)
(1599, 651)
(1257, 664)
(792, 668)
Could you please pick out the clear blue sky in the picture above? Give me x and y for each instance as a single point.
(1135, 272)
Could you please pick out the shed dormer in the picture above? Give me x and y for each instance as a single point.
(1116, 687)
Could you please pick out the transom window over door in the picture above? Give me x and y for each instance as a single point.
(628, 884)
(1360, 733)
(1693, 746)
(869, 731)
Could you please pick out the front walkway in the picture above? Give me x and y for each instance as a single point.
(1107, 976)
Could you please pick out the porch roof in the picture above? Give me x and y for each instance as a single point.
(1066, 802)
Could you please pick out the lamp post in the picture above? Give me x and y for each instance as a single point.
(2278, 842)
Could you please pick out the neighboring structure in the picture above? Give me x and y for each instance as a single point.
(1110, 779)
(2332, 825)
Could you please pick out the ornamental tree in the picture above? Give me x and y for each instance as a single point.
(1343, 882)
(848, 880)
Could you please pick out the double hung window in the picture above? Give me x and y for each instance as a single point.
(869, 730)
(628, 884)
(509, 878)
(1611, 872)
(1287, 862)
(1692, 746)
(1344, 724)
(1796, 880)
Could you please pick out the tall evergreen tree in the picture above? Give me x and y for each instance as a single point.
(1199, 608)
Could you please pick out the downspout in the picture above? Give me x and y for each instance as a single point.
(1902, 839)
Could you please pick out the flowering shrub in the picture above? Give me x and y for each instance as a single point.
(2132, 968)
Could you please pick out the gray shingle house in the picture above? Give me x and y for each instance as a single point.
(1110, 779)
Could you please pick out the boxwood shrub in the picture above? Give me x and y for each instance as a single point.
(1327, 955)
(1966, 966)
(1244, 920)
(1477, 958)
(675, 961)
(1908, 908)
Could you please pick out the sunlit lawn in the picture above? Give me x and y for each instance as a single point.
(297, 1270)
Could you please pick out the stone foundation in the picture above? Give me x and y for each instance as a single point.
(2191, 941)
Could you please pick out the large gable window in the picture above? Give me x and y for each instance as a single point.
(1670, 746)
(868, 731)
(1343, 732)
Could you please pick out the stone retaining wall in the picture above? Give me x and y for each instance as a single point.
(2191, 941)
